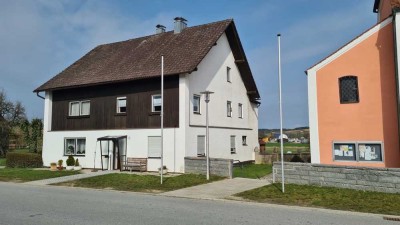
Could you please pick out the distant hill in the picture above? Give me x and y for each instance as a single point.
(291, 133)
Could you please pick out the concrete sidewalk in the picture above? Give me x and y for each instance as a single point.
(218, 189)
(86, 174)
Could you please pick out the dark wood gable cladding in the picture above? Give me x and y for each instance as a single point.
(103, 98)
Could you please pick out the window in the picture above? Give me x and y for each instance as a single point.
(85, 108)
(79, 108)
(229, 108)
(154, 147)
(156, 103)
(121, 105)
(75, 146)
(196, 103)
(74, 108)
(233, 145)
(348, 89)
(228, 74)
(244, 140)
(358, 151)
(201, 143)
(240, 108)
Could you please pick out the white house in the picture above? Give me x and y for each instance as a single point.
(114, 90)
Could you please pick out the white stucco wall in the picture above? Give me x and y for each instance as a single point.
(137, 146)
(211, 75)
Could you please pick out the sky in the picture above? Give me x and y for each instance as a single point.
(39, 39)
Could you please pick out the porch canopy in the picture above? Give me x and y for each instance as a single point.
(115, 147)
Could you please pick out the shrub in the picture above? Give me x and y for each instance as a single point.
(76, 162)
(23, 160)
(60, 162)
(70, 161)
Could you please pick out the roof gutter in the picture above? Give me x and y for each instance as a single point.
(376, 6)
(37, 93)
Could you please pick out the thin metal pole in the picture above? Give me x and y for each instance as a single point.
(162, 118)
(208, 144)
(280, 110)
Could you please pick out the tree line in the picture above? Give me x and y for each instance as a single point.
(14, 122)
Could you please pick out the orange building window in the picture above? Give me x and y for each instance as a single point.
(348, 89)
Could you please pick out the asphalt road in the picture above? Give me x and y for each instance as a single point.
(26, 204)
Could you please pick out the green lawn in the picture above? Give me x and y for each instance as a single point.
(287, 145)
(327, 197)
(287, 148)
(2, 162)
(24, 175)
(140, 183)
(253, 171)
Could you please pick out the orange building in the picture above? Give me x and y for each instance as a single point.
(353, 97)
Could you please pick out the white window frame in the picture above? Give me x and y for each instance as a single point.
(228, 74)
(198, 107)
(204, 144)
(70, 108)
(126, 105)
(75, 146)
(233, 148)
(80, 108)
(229, 109)
(240, 110)
(152, 103)
(244, 140)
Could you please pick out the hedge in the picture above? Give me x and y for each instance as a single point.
(23, 160)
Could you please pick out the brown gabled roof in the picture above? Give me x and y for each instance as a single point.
(140, 58)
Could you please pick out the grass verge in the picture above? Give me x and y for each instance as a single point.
(253, 171)
(2, 162)
(301, 145)
(140, 183)
(327, 197)
(24, 175)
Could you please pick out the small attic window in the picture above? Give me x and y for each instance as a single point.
(348, 89)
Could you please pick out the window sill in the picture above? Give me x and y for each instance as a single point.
(349, 102)
(244, 144)
(154, 157)
(232, 153)
(196, 113)
(154, 113)
(75, 155)
(120, 114)
(78, 117)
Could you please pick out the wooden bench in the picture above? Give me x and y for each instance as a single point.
(135, 164)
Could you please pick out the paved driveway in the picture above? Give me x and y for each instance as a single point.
(218, 189)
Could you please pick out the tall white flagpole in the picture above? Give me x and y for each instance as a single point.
(162, 118)
(280, 110)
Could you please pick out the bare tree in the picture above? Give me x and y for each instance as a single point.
(10, 115)
(17, 114)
